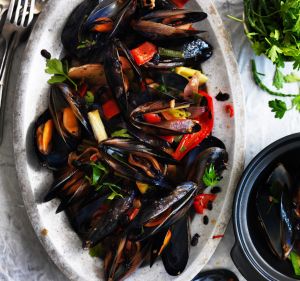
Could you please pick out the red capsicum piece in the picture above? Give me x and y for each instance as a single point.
(169, 139)
(180, 3)
(201, 202)
(152, 118)
(206, 121)
(110, 109)
(144, 53)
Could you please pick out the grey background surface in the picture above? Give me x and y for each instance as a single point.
(21, 255)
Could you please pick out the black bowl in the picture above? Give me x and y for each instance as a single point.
(251, 253)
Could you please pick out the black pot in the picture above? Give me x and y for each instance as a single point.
(251, 253)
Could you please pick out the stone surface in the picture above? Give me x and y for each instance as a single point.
(23, 258)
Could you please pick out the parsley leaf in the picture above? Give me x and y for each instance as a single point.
(279, 107)
(296, 102)
(278, 79)
(210, 177)
(58, 71)
(273, 53)
(123, 133)
(292, 77)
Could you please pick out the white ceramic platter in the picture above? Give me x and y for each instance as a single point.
(61, 243)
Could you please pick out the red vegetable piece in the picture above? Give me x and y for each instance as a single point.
(152, 118)
(206, 121)
(83, 90)
(144, 53)
(180, 3)
(110, 109)
(229, 109)
(169, 139)
(201, 202)
(218, 236)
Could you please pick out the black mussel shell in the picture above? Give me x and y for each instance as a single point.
(216, 275)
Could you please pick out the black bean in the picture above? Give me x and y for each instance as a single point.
(46, 54)
(195, 239)
(205, 220)
(222, 96)
(209, 205)
(215, 189)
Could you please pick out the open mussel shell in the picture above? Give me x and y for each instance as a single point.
(216, 275)
(49, 146)
(176, 254)
(161, 213)
(165, 24)
(194, 50)
(195, 169)
(275, 214)
(70, 34)
(110, 221)
(167, 127)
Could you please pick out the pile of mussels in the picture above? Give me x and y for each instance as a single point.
(129, 140)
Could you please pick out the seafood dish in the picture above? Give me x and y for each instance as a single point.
(277, 206)
(128, 131)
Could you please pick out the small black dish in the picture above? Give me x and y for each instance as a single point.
(251, 253)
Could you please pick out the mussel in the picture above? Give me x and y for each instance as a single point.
(49, 145)
(172, 122)
(93, 23)
(216, 275)
(166, 24)
(161, 213)
(144, 163)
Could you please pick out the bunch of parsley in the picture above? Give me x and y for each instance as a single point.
(273, 26)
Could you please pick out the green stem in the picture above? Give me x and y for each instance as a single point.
(259, 83)
(170, 53)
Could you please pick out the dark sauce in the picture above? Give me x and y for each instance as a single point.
(215, 190)
(205, 220)
(195, 239)
(209, 205)
(46, 54)
(222, 96)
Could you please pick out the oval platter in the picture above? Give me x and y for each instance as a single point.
(60, 242)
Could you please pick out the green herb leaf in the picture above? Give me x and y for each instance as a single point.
(279, 107)
(56, 79)
(295, 259)
(123, 133)
(99, 172)
(292, 77)
(210, 177)
(59, 72)
(296, 102)
(273, 53)
(97, 251)
(89, 97)
(278, 79)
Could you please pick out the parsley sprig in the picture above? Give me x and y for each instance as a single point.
(59, 71)
(210, 177)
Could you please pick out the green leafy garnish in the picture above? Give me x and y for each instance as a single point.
(114, 190)
(292, 77)
(259, 83)
(89, 97)
(97, 251)
(99, 171)
(278, 79)
(59, 72)
(210, 177)
(296, 102)
(86, 44)
(274, 29)
(295, 259)
(123, 133)
(279, 107)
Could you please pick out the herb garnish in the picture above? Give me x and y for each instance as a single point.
(59, 70)
(210, 177)
(123, 133)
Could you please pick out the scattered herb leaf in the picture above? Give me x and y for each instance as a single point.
(278, 79)
(279, 107)
(58, 71)
(210, 177)
(123, 133)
